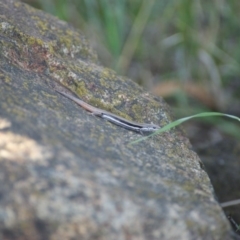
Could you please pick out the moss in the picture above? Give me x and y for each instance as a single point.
(66, 40)
(137, 110)
(81, 89)
(43, 25)
(32, 40)
(5, 78)
(17, 4)
(25, 85)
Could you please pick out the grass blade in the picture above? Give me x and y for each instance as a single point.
(181, 120)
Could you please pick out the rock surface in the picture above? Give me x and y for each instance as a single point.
(66, 174)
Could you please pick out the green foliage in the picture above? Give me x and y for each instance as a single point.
(190, 39)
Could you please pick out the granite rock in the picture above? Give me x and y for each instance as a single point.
(66, 174)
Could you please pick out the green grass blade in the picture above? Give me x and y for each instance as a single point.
(181, 120)
(134, 37)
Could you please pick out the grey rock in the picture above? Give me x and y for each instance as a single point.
(66, 174)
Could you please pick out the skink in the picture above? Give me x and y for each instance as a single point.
(141, 128)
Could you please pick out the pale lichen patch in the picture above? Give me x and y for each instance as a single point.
(4, 123)
(21, 149)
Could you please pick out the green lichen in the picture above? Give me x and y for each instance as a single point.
(107, 74)
(17, 4)
(5, 78)
(137, 109)
(66, 41)
(32, 40)
(26, 85)
(43, 26)
(81, 89)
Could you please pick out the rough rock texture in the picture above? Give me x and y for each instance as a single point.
(221, 160)
(66, 174)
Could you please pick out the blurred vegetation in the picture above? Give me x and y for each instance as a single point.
(154, 42)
